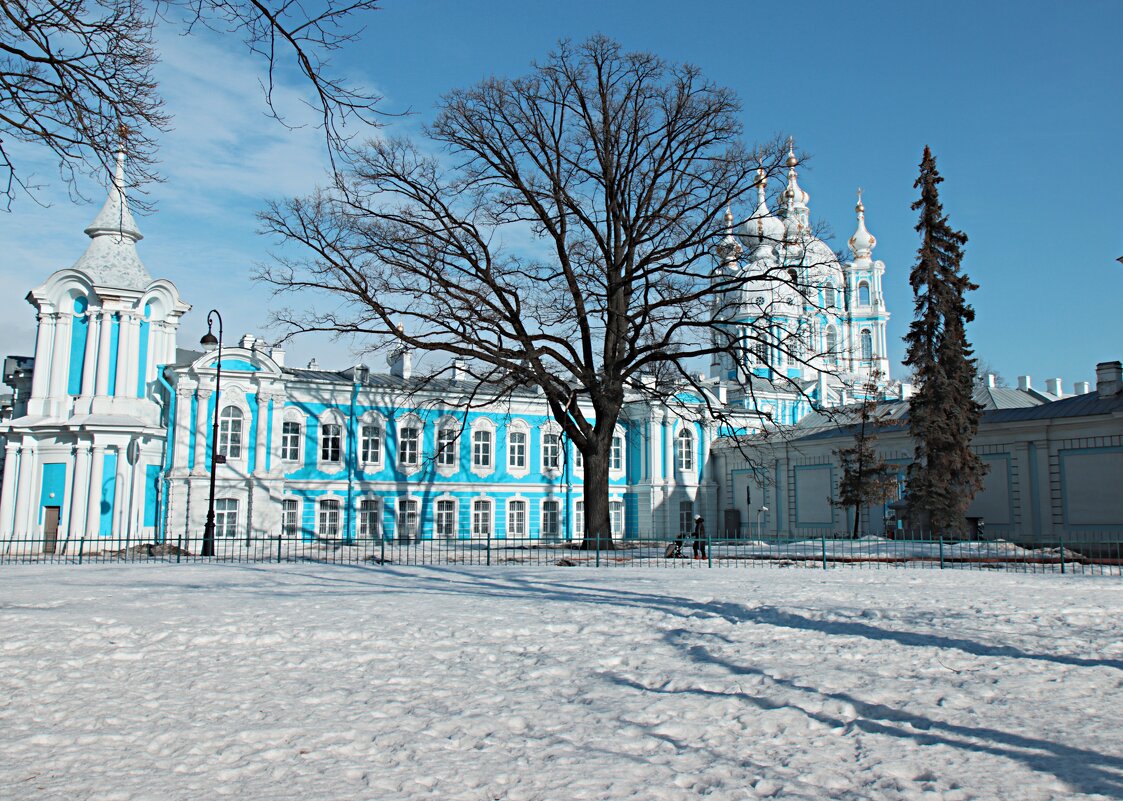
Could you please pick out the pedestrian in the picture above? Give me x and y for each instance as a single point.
(699, 538)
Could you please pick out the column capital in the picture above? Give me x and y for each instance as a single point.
(204, 393)
(184, 392)
(12, 447)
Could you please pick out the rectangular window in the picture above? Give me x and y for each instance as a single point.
(290, 441)
(225, 517)
(579, 519)
(407, 518)
(516, 450)
(329, 519)
(481, 449)
(331, 442)
(370, 444)
(551, 520)
(369, 523)
(551, 451)
(409, 446)
(446, 447)
(685, 517)
(481, 518)
(230, 433)
(290, 518)
(516, 519)
(616, 455)
(446, 519)
(616, 518)
(578, 459)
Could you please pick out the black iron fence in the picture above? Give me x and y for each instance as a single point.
(1096, 554)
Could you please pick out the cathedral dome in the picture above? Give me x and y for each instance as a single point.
(863, 242)
(762, 230)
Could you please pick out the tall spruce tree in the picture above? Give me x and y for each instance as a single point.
(867, 479)
(943, 415)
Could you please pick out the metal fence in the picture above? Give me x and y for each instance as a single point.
(1090, 555)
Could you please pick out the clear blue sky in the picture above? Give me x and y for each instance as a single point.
(1022, 103)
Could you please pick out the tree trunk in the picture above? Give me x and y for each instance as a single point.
(598, 530)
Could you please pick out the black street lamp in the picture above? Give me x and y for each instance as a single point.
(209, 342)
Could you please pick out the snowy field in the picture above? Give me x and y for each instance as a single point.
(323, 682)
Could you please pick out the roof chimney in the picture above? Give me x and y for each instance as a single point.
(400, 361)
(1053, 387)
(247, 341)
(991, 380)
(1081, 388)
(459, 370)
(1023, 383)
(1109, 379)
(277, 354)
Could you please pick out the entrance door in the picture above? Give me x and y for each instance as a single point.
(50, 528)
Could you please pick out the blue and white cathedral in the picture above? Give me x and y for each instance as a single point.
(109, 433)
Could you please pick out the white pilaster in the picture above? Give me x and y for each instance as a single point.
(60, 357)
(25, 502)
(201, 431)
(89, 364)
(79, 490)
(93, 505)
(262, 429)
(8, 488)
(126, 357)
(104, 359)
(182, 424)
(44, 341)
(121, 495)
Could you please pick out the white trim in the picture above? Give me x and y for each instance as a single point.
(520, 499)
(447, 423)
(409, 420)
(491, 516)
(444, 498)
(518, 426)
(320, 520)
(292, 414)
(401, 533)
(559, 522)
(618, 472)
(331, 416)
(372, 418)
(482, 424)
(379, 517)
(550, 427)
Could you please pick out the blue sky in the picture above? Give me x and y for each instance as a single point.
(1022, 104)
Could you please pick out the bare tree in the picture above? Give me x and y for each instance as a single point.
(74, 74)
(564, 241)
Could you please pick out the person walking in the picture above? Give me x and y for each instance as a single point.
(699, 537)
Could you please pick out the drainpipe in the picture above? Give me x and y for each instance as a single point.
(352, 466)
(161, 517)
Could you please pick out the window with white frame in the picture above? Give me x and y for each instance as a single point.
(616, 518)
(225, 517)
(409, 444)
(370, 518)
(863, 294)
(832, 344)
(290, 441)
(684, 449)
(370, 443)
(551, 519)
(685, 517)
(579, 519)
(481, 517)
(290, 518)
(578, 459)
(482, 439)
(516, 448)
(867, 344)
(616, 454)
(408, 518)
(230, 433)
(446, 518)
(551, 451)
(328, 525)
(331, 442)
(830, 297)
(516, 519)
(446, 446)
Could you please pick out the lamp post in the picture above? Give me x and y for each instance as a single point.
(209, 343)
(759, 512)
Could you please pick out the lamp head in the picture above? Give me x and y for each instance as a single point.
(209, 341)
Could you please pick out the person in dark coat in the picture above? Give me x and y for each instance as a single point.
(699, 537)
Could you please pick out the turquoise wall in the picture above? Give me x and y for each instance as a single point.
(108, 490)
(79, 333)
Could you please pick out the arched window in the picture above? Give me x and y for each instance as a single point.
(518, 443)
(832, 344)
(867, 345)
(370, 442)
(409, 442)
(830, 298)
(230, 433)
(684, 450)
(447, 435)
(551, 451)
(863, 294)
(290, 440)
(481, 449)
(331, 442)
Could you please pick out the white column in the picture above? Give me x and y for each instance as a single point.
(60, 357)
(104, 358)
(278, 424)
(169, 341)
(182, 425)
(44, 339)
(121, 495)
(93, 505)
(126, 357)
(668, 451)
(24, 502)
(262, 429)
(201, 431)
(8, 488)
(79, 490)
(89, 365)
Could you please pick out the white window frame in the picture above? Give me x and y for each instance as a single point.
(376, 421)
(483, 426)
(363, 511)
(324, 507)
(616, 467)
(291, 419)
(227, 439)
(329, 418)
(685, 457)
(405, 529)
(447, 460)
(552, 455)
(410, 421)
(226, 518)
(439, 531)
(483, 517)
(685, 517)
(516, 467)
(518, 518)
(865, 337)
(579, 519)
(544, 532)
(616, 517)
(294, 529)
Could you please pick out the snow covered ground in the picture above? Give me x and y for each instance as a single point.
(321, 682)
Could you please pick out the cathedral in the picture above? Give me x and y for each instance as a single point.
(109, 433)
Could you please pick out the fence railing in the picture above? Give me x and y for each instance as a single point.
(1092, 554)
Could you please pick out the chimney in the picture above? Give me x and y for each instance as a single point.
(459, 370)
(1081, 388)
(991, 380)
(1053, 387)
(722, 394)
(1109, 379)
(400, 362)
(361, 372)
(1023, 383)
(313, 364)
(247, 341)
(277, 354)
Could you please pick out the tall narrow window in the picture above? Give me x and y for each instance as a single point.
(685, 517)
(616, 455)
(578, 458)
(684, 449)
(867, 345)
(863, 294)
(832, 345)
(370, 518)
(446, 447)
(516, 519)
(329, 519)
(516, 449)
(551, 450)
(446, 519)
(481, 449)
(290, 518)
(290, 441)
(579, 518)
(370, 443)
(331, 442)
(409, 446)
(830, 297)
(407, 518)
(225, 517)
(481, 518)
(616, 518)
(551, 519)
(230, 433)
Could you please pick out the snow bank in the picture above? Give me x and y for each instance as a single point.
(323, 682)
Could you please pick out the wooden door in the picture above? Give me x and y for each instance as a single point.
(50, 528)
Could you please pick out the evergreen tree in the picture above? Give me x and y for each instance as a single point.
(943, 415)
(867, 479)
